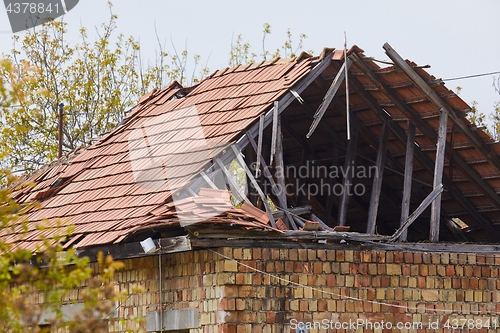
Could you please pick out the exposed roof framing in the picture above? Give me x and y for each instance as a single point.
(122, 189)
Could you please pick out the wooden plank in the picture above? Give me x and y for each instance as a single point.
(135, 250)
(471, 136)
(259, 144)
(438, 176)
(327, 99)
(377, 180)
(234, 186)
(297, 211)
(431, 198)
(407, 185)
(288, 98)
(255, 184)
(274, 136)
(269, 176)
(298, 243)
(280, 175)
(349, 163)
(208, 180)
(223, 232)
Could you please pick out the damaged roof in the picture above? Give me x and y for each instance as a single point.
(114, 191)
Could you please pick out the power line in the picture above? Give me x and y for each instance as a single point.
(347, 297)
(471, 76)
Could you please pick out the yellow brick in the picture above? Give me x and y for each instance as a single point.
(469, 296)
(478, 296)
(380, 294)
(430, 295)
(294, 305)
(230, 266)
(349, 281)
(344, 268)
(393, 269)
(298, 293)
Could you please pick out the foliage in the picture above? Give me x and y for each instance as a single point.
(489, 122)
(241, 53)
(98, 81)
(51, 277)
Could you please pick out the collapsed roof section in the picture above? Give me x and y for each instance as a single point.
(278, 136)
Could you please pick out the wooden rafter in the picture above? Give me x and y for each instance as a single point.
(473, 138)
(339, 78)
(377, 181)
(350, 160)
(423, 158)
(438, 176)
(407, 184)
(423, 126)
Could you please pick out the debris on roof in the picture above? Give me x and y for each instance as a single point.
(187, 156)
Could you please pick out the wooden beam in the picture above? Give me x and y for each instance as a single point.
(350, 160)
(208, 180)
(254, 183)
(438, 176)
(232, 182)
(431, 198)
(274, 136)
(260, 137)
(135, 250)
(298, 243)
(269, 176)
(280, 175)
(339, 78)
(297, 211)
(377, 180)
(407, 185)
(473, 138)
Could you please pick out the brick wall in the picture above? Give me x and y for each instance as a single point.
(272, 290)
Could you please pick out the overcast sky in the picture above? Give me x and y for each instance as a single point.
(457, 38)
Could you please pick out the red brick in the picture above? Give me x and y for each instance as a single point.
(228, 328)
(322, 305)
(474, 283)
(270, 317)
(331, 281)
(398, 257)
(450, 270)
(421, 282)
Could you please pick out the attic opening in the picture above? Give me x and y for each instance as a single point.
(303, 172)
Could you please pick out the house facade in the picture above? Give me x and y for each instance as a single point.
(313, 194)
